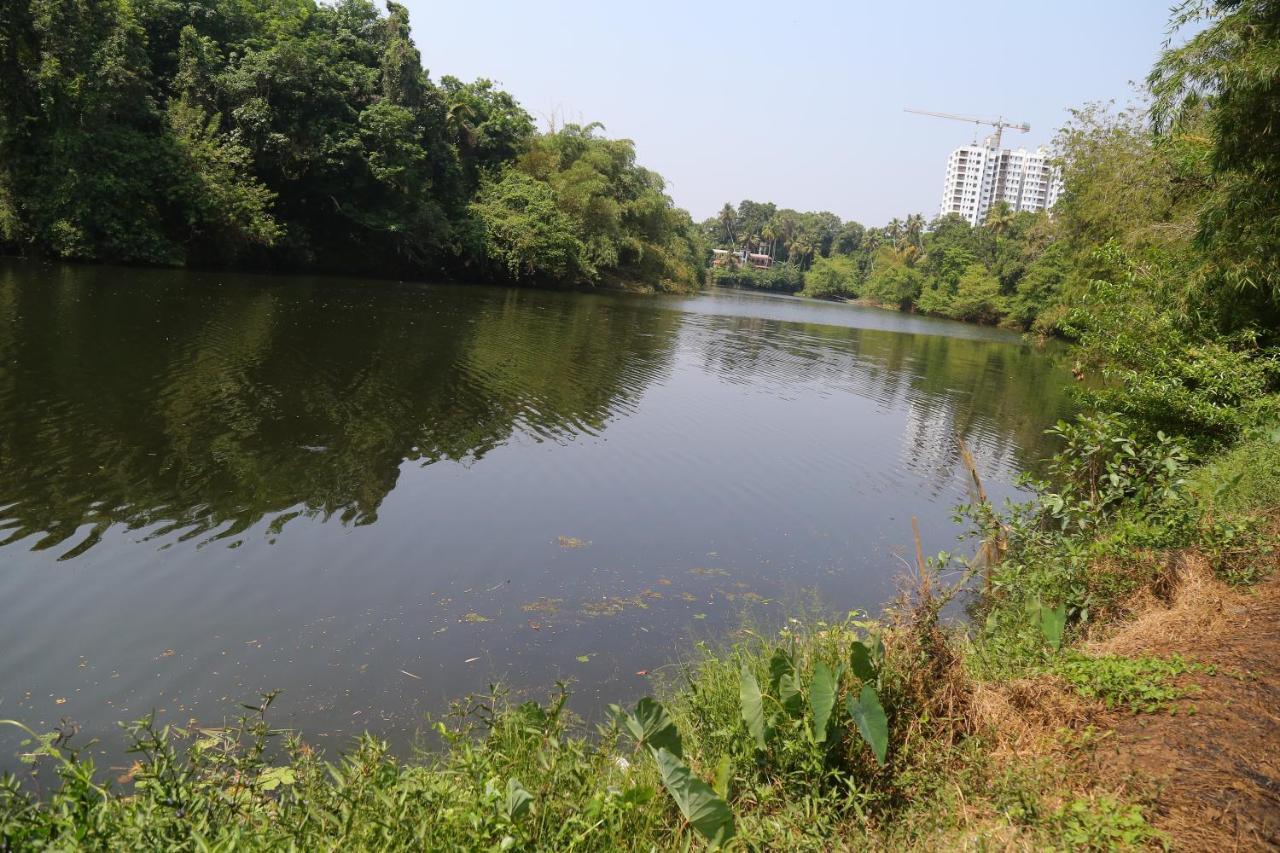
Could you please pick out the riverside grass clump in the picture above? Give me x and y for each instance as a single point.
(903, 731)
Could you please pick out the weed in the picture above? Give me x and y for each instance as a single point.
(1103, 823)
(1143, 685)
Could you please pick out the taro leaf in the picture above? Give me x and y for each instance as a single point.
(518, 799)
(652, 726)
(1052, 621)
(752, 707)
(877, 650)
(1049, 620)
(822, 698)
(707, 813)
(637, 796)
(789, 694)
(779, 665)
(860, 662)
(873, 725)
(724, 770)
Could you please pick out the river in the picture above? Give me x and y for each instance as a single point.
(378, 497)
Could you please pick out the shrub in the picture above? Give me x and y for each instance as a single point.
(831, 278)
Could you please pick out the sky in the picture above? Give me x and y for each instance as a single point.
(799, 103)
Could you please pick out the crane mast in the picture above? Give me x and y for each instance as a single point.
(998, 123)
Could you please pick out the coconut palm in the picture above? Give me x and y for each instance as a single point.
(999, 218)
(770, 235)
(915, 231)
(894, 230)
(729, 221)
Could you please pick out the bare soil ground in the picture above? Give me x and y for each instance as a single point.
(1215, 774)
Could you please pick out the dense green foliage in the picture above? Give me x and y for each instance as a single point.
(303, 135)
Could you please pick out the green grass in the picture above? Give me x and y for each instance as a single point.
(1244, 479)
(1143, 685)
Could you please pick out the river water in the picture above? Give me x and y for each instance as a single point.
(378, 497)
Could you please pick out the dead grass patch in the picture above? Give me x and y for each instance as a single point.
(1026, 716)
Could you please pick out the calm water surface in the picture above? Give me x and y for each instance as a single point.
(213, 485)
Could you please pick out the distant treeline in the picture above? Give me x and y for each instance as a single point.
(1154, 203)
(300, 135)
(984, 274)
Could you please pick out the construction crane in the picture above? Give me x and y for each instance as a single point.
(998, 123)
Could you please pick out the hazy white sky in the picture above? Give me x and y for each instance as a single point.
(799, 103)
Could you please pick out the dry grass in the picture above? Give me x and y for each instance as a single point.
(1186, 605)
(1216, 774)
(1027, 716)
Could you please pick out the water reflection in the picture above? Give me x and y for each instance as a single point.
(204, 404)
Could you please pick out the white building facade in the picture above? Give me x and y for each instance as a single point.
(979, 176)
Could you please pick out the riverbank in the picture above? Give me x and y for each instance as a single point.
(1037, 727)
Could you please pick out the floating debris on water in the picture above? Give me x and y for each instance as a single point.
(474, 617)
(706, 572)
(542, 605)
(612, 605)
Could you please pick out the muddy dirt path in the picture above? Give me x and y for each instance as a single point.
(1215, 773)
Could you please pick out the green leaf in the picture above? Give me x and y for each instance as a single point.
(822, 698)
(274, 777)
(780, 664)
(519, 800)
(873, 725)
(709, 814)
(652, 726)
(860, 662)
(789, 694)
(724, 771)
(752, 707)
(1052, 622)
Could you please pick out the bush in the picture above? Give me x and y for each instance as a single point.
(1163, 374)
(894, 284)
(784, 277)
(831, 278)
(977, 297)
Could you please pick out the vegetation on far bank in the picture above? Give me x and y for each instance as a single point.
(1181, 192)
(304, 136)
(905, 731)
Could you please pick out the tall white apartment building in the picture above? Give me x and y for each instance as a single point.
(978, 176)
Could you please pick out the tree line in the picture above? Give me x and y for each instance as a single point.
(304, 135)
(1172, 203)
(1160, 260)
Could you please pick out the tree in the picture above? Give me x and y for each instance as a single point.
(831, 278)
(977, 297)
(891, 281)
(526, 232)
(728, 218)
(1228, 76)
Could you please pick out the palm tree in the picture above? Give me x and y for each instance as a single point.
(800, 249)
(768, 234)
(915, 230)
(459, 119)
(999, 218)
(786, 228)
(894, 229)
(729, 220)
